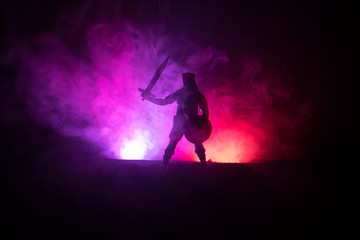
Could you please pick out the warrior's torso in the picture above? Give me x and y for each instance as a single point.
(188, 101)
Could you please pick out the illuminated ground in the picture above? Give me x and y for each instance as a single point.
(64, 193)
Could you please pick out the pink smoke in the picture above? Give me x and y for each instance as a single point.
(96, 97)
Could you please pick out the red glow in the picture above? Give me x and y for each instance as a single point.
(99, 100)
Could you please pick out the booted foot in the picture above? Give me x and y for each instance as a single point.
(204, 164)
(164, 165)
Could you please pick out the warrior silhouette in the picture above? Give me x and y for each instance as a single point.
(188, 99)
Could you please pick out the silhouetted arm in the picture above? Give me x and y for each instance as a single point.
(204, 106)
(162, 101)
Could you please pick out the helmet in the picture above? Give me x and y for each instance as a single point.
(189, 80)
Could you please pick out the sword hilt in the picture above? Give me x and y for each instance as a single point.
(145, 92)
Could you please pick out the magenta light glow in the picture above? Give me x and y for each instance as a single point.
(95, 96)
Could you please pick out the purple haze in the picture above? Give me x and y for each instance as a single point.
(94, 95)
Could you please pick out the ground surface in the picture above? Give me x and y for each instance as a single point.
(54, 192)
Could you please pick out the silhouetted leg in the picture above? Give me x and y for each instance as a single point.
(170, 149)
(200, 151)
(175, 136)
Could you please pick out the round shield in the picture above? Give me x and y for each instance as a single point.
(198, 129)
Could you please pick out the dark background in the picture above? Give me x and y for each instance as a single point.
(60, 186)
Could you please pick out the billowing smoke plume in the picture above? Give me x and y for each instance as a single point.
(95, 95)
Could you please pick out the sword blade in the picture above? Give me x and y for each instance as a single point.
(157, 74)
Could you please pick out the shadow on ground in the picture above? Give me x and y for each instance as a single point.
(60, 187)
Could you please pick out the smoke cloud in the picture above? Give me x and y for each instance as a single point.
(94, 95)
